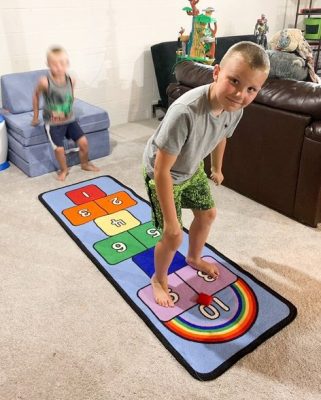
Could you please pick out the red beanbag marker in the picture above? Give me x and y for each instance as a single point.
(204, 299)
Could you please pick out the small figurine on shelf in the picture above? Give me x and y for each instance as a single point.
(197, 49)
(260, 31)
(192, 11)
(199, 45)
(210, 34)
(182, 39)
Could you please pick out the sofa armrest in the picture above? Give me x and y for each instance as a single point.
(174, 91)
(289, 95)
(307, 207)
(193, 74)
(313, 131)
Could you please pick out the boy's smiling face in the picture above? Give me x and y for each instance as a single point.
(236, 84)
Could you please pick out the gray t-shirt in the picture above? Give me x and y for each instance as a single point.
(190, 131)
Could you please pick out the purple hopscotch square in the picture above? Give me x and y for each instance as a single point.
(183, 296)
(202, 283)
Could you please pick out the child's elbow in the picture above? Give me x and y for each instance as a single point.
(156, 169)
(160, 171)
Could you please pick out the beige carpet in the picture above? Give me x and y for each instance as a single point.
(66, 334)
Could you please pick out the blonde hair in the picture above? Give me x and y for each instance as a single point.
(55, 50)
(253, 54)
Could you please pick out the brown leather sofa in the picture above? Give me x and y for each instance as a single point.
(274, 155)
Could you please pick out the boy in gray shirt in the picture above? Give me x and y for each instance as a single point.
(196, 124)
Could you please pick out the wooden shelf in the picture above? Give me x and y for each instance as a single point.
(310, 13)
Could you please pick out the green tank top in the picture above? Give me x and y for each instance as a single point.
(58, 101)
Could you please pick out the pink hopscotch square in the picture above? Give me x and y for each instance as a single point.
(184, 298)
(203, 283)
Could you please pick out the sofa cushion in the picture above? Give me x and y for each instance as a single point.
(38, 160)
(90, 118)
(19, 125)
(17, 90)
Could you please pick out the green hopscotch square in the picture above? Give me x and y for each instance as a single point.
(146, 234)
(118, 248)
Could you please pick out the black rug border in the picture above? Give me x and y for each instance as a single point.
(200, 376)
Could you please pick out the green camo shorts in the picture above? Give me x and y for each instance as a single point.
(194, 193)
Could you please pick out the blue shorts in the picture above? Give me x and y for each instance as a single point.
(57, 133)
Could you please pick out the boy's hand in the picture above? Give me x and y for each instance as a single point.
(217, 177)
(35, 122)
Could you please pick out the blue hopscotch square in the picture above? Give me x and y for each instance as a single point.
(145, 261)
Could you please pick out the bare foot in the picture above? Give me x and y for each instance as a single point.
(202, 265)
(90, 167)
(160, 291)
(61, 175)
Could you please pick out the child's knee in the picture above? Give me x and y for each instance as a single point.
(211, 214)
(206, 216)
(82, 143)
(173, 240)
(60, 150)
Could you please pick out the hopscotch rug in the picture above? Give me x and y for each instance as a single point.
(112, 225)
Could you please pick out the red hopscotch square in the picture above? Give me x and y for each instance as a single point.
(85, 194)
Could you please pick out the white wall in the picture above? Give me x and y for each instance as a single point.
(109, 41)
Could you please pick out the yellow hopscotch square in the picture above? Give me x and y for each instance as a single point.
(118, 222)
